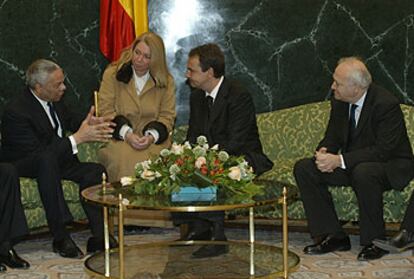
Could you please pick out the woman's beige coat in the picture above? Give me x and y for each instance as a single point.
(153, 104)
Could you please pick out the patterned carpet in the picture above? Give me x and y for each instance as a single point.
(47, 265)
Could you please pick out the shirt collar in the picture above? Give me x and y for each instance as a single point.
(215, 90)
(42, 102)
(361, 100)
(140, 81)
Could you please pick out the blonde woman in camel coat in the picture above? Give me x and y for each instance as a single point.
(139, 92)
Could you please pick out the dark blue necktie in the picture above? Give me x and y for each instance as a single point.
(54, 117)
(209, 100)
(352, 119)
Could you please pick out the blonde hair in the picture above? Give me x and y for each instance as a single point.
(158, 65)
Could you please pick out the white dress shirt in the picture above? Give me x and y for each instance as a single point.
(360, 104)
(60, 131)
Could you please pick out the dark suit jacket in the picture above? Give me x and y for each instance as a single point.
(380, 136)
(26, 129)
(231, 125)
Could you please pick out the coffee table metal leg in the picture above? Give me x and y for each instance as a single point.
(251, 233)
(121, 237)
(106, 237)
(285, 235)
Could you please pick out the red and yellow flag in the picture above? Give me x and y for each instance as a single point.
(120, 22)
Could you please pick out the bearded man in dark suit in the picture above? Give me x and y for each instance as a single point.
(365, 146)
(33, 131)
(223, 111)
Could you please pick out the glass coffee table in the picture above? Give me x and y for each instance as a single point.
(173, 259)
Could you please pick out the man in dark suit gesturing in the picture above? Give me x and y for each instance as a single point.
(365, 146)
(223, 111)
(33, 138)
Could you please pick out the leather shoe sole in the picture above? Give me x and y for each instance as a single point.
(371, 252)
(327, 245)
(401, 242)
(13, 260)
(387, 245)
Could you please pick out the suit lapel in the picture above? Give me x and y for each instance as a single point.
(38, 112)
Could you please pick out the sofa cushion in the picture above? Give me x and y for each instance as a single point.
(293, 133)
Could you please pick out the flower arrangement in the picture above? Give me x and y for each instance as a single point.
(198, 165)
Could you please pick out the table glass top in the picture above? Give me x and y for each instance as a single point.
(175, 260)
(221, 201)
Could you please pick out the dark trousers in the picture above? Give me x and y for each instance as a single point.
(408, 221)
(368, 180)
(49, 170)
(12, 219)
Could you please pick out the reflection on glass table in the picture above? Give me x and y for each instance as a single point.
(174, 260)
(223, 201)
(244, 260)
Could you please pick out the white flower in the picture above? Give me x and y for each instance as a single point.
(127, 180)
(144, 165)
(148, 175)
(187, 145)
(165, 152)
(223, 156)
(177, 149)
(235, 173)
(215, 147)
(201, 140)
(199, 151)
(200, 162)
(174, 169)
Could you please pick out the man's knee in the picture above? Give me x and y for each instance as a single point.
(8, 170)
(93, 174)
(368, 175)
(303, 166)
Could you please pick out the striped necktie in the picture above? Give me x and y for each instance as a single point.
(54, 117)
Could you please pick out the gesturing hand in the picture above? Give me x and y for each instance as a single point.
(94, 129)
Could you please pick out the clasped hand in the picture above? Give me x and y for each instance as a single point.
(138, 142)
(95, 129)
(326, 162)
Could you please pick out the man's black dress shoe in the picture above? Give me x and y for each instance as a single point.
(67, 248)
(13, 260)
(371, 252)
(328, 244)
(192, 235)
(2, 268)
(98, 244)
(400, 242)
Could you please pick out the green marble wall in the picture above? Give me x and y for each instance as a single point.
(64, 31)
(284, 51)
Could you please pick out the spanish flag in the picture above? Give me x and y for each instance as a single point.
(120, 22)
